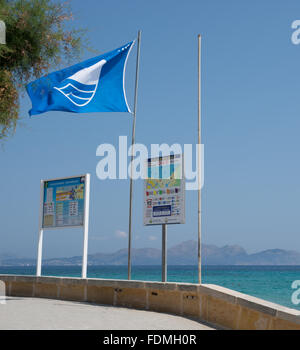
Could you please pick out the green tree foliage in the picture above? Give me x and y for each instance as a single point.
(37, 38)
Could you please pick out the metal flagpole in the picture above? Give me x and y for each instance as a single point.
(132, 146)
(199, 158)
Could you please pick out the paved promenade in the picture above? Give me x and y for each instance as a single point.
(34, 313)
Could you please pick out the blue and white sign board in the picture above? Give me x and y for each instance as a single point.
(64, 203)
(164, 191)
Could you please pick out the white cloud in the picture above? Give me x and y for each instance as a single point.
(152, 238)
(120, 234)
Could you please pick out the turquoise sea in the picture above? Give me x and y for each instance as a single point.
(272, 283)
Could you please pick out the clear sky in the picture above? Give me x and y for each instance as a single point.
(250, 128)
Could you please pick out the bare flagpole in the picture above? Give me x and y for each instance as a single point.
(132, 144)
(199, 158)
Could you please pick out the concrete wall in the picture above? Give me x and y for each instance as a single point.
(216, 305)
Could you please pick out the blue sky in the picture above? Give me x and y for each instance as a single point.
(250, 128)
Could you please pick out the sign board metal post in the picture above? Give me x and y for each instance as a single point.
(164, 253)
(64, 202)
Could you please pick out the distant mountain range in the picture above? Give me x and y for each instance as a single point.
(184, 253)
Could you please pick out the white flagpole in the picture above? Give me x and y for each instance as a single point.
(86, 226)
(199, 158)
(132, 148)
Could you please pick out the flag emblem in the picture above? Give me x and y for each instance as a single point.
(80, 88)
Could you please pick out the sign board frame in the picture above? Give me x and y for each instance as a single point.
(43, 202)
(84, 225)
(181, 219)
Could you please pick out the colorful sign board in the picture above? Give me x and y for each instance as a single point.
(164, 191)
(63, 202)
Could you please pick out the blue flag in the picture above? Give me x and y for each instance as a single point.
(95, 85)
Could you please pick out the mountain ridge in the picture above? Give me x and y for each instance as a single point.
(184, 253)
